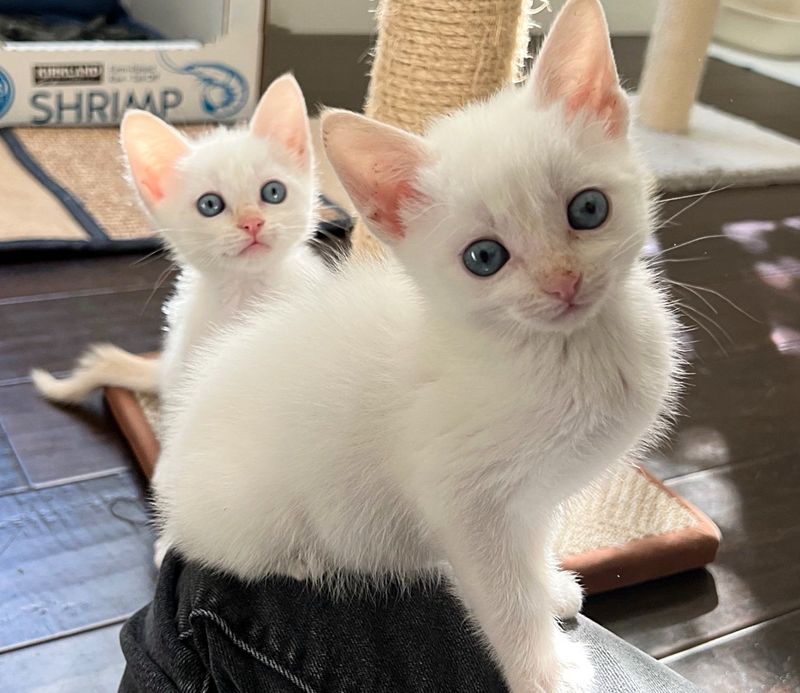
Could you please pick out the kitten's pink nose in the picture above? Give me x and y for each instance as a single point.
(251, 225)
(562, 285)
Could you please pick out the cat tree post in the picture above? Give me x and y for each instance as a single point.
(434, 56)
(676, 56)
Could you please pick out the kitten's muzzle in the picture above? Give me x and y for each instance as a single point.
(251, 225)
(563, 285)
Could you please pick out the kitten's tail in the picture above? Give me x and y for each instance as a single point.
(101, 365)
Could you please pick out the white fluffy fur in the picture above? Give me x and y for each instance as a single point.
(410, 412)
(216, 284)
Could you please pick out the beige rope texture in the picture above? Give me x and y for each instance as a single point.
(434, 56)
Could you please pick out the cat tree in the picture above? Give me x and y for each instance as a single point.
(676, 56)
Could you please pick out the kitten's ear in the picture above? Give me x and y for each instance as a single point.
(377, 165)
(576, 65)
(152, 148)
(281, 115)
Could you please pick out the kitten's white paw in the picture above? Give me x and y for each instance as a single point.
(576, 670)
(559, 666)
(567, 594)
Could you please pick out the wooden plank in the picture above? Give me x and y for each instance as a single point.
(75, 555)
(52, 333)
(64, 276)
(756, 574)
(761, 318)
(734, 410)
(89, 662)
(728, 232)
(54, 443)
(12, 477)
(760, 658)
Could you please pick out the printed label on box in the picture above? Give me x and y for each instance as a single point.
(91, 73)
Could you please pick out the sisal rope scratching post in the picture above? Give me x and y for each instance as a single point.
(673, 68)
(434, 56)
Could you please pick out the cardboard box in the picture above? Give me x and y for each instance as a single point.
(208, 68)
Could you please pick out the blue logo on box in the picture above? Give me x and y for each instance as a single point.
(6, 92)
(224, 90)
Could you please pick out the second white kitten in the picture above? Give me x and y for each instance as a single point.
(236, 208)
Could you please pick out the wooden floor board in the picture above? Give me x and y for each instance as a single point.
(735, 410)
(12, 476)
(52, 333)
(755, 577)
(89, 662)
(54, 443)
(761, 658)
(31, 279)
(75, 555)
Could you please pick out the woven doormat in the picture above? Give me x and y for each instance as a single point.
(63, 189)
(626, 529)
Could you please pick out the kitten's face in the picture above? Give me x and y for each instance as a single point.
(524, 220)
(523, 211)
(236, 202)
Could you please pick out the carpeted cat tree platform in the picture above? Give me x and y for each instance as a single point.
(433, 56)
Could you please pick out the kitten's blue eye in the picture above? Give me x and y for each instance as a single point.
(587, 210)
(273, 192)
(485, 257)
(210, 204)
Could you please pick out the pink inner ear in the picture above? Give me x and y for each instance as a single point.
(377, 165)
(150, 181)
(604, 101)
(281, 115)
(386, 204)
(576, 65)
(153, 177)
(153, 148)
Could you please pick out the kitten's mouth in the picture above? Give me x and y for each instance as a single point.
(254, 247)
(570, 313)
(559, 317)
(571, 309)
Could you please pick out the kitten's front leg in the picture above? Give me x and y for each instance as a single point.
(503, 575)
(566, 593)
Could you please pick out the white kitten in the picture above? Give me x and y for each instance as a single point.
(236, 208)
(443, 405)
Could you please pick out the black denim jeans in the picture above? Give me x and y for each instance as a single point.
(205, 631)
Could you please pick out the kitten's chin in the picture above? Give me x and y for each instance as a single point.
(561, 319)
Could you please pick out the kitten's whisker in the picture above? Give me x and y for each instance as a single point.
(687, 207)
(696, 293)
(627, 244)
(716, 293)
(714, 322)
(695, 319)
(164, 275)
(160, 250)
(682, 259)
(664, 200)
(694, 240)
